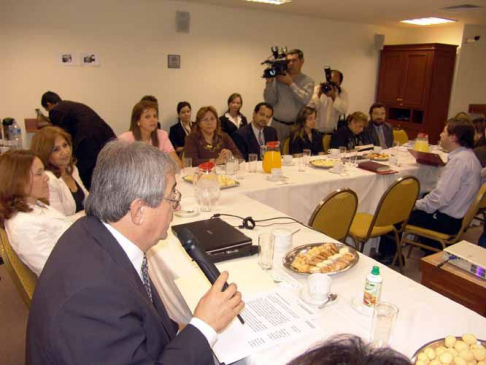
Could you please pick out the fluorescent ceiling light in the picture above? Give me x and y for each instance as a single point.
(273, 2)
(428, 21)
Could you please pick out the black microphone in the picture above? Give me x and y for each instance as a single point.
(191, 245)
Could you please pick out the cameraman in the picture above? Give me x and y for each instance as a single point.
(288, 94)
(331, 105)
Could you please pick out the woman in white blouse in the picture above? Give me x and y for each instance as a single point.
(66, 190)
(32, 226)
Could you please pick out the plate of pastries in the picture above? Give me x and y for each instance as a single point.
(225, 182)
(328, 258)
(322, 163)
(452, 350)
(378, 156)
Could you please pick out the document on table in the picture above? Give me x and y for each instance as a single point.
(271, 318)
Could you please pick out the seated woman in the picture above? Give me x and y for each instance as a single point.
(143, 127)
(207, 141)
(480, 140)
(352, 135)
(32, 226)
(233, 119)
(66, 190)
(305, 136)
(182, 128)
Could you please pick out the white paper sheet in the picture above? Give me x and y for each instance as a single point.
(271, 318)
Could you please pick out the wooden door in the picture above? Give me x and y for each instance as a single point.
(416, 79)
(391, 70)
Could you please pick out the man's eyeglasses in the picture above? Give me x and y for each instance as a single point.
(175, 200)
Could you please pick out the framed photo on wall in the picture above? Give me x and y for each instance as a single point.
(174, 61)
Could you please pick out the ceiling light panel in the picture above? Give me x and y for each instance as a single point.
(428, 21)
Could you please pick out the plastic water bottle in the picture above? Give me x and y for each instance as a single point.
(15, 135)
(373, 285)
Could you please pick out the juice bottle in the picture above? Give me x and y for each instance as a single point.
(373, 285)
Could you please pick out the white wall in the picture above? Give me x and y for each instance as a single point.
(470, 80)
(221, 55)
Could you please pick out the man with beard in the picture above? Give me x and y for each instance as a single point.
(380, 132)
(250, 137)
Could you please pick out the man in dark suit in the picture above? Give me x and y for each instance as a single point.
(380, 132)
(94, 302)
(250, 137)
(88, 131)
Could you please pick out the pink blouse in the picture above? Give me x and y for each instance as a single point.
(164, 142)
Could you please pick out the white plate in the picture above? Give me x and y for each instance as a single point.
(288, 164)
(305, 296)
(282, 178)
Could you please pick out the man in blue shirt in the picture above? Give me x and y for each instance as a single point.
(443, 209)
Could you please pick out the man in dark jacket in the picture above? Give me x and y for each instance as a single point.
(250, 137)
(88, 131)
(380, 132)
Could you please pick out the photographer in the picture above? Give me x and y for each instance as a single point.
(330, 105)
(288, 94)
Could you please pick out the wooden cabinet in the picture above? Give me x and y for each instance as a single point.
(415, 84)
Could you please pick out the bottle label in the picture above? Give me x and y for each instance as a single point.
(371, 293)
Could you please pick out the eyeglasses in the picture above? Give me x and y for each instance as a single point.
(175, 200)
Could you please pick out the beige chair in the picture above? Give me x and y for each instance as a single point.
(23, 278)
(478, 204)
(400, 136)
(286, 146)
(333, 216)
(326, 142)
(394, 208)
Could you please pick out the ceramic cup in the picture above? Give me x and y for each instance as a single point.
(377, 149)
(276, 174)
(287, 159)
(283, 239)
(319, 286)
(334, 152)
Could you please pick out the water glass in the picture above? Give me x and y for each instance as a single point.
(204, 197)
(266, 246)
(240, 169)
(252, 162)
(231, 166)
(342, 153)
(300, 161)
(353, 159)
(384, 318)
(186, 166)
(307, 154)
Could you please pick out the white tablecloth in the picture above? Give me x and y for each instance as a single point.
(424, 315)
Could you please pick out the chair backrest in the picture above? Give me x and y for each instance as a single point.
(479, 203)
(334, 215)
(23, 278)
(326, 142)
(397, 202)
(286, 148)
(400, 135)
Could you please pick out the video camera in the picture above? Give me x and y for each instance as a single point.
(278, 64)
(328, 85)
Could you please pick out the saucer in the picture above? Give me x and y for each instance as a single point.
(280, 178)
(305, 296)
(288, 164)
(358, 306)
(334, 172)
(186, 212)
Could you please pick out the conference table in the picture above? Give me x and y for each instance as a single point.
(424, 315)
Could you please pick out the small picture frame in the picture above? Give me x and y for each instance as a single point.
(174, 61)
(90, 59)
(68, 59)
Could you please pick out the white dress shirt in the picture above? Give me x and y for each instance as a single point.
(457, 186)
(60, 196)
(328, 111)
(236, 121)
(34, 234)
(135, 255)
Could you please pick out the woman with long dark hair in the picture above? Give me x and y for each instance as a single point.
(306, 136)
(233, 119)
(183, 127)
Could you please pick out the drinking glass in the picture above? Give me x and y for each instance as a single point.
(307, 154)
(384, 318)
(252, 162)
(342, 153)
(300, 161)
(186, 166)
(240, 169)
(266, 246)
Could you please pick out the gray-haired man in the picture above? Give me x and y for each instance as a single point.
(94, 303)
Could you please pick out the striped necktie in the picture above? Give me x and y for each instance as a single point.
(260, 138)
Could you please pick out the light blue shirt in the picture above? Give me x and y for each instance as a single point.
(457, 186)
(135, 255)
